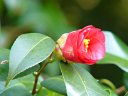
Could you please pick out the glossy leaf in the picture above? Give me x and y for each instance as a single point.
(46, 92)
(53, 69)
(52, 93)
(13, 89)
(24, 84)
(5, 67)
(55, 84)
(116, 52)
(28, 71)
(28, 82)
(27, 51)
(79, 82)
(42, 92)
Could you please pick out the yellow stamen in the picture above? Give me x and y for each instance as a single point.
(86, 42)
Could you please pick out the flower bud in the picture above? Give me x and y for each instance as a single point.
(60, 45)
(85, 45)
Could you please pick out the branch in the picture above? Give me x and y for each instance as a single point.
(37, 74)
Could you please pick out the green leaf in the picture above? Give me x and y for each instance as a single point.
(116, 52)
(53, 69)
(55, 84)
(46, 92)
(5, 67)
(28, 82)
(4, 55)
(126, 80)
(28, 71)
(3, 72)
(27, 51)
(80, 82)
(109, 90)
(13, 89)
(4, 58)
(108, 83)
(51, 93)
(42, 92)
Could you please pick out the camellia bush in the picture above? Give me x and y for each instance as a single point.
(22, 67)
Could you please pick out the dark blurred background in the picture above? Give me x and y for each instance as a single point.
(55, 17)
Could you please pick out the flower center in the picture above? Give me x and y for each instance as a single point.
(86, 42)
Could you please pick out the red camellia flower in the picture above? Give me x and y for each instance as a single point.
(85, 45)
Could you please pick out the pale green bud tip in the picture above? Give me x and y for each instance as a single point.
(60, 45)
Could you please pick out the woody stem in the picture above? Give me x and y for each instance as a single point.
(36, 78)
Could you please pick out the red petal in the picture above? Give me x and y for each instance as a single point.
(69, 50)
(75, 50)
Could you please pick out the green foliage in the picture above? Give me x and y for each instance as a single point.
(47, 17)
(116, 52)
(28, 71)
(53, 69)
(108, 83)
(27, 51)
(3, 71)
(4, 58)
(14, 88)
(40, 18)
(4, 66)
(4, 55)
(55, 84)
(46, 92)
(109, 90)
(27, 81)
(126, 80)
(80, 82)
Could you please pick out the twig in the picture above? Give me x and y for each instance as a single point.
(36, 78)
(37, 74)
